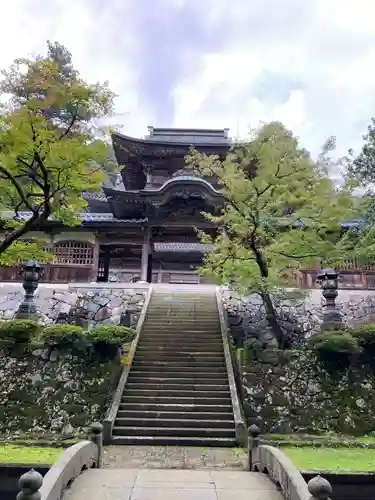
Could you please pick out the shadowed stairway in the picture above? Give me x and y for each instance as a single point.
(177, 392)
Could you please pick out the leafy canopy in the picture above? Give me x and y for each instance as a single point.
(51, 143)
(281, 212)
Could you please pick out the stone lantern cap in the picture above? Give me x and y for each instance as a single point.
(327, 274)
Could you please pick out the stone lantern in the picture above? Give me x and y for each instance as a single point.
(328, 280)
(32, 273)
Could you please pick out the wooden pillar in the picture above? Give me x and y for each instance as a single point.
(146, 249)
(95, 263)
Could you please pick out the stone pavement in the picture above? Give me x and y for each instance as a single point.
(174, 457)
(146, 484)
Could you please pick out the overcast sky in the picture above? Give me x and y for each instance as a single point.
(215, 63)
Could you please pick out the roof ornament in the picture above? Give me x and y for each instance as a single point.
(186, 172)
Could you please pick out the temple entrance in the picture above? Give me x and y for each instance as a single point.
(166, 263)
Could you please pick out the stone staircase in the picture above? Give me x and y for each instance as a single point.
(177, 391)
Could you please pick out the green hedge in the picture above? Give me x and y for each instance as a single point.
(340, 347)
(63, 335)
(112, 334)
(18, 331)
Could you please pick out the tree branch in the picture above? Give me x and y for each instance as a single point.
(71, 124)
(17, 186)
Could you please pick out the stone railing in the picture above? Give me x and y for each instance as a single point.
(76, 459)
(281, 470)
(240, 427)
(113, 409)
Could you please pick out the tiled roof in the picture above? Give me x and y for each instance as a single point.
(182, 247)
(108, 217)
(86, 217)
(95, 196)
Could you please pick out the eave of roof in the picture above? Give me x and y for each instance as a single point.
(154, 142)
(86, 217)
(182, 247)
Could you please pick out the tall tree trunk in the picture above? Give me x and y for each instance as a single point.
(266, 298)
(272, 319)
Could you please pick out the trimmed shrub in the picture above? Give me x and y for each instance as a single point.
(112, 334)
(365, 335)
(108, 340)
(339, 341)
(335, 349)
(63, 335)
(18, 331)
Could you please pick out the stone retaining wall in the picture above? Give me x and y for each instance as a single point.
(289, 391)
(300, 317)
(86, 304)
(50, 390)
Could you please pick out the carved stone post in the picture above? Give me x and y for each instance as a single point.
(253, 443)
(319, 488)
(30, 484)
(328, 280)
(95, 262)
(96, 436)
(32, 273)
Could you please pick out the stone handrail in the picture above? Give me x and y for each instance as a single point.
(281, 470)
(75, 459)
(239, 422)
(113, 409)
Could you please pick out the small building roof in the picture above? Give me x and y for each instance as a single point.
(189, 135)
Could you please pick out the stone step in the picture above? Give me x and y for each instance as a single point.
(179, 408)
(168, 348)
(215, 365)
(175, 328)
(175, 393)
(179, 346)
(168, 336)
(173, 333)
(179, 355)
(192, 316)
(144, 372)
(174, 380)
(172, 422)
(163, 319)
(174, 441)
(171, 340)
(139, 386)
(182, 400)
(175, 431)
(187, 414)
(165, 339)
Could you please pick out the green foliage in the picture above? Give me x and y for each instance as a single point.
(362, 167)
(23, 250)
(62, 335)
(51, 146)
(112, 334)
(338, 341)
(18, 331)
(365, 335)
(281, 213)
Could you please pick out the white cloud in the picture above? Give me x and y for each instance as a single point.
(98, 46)
(325, 45)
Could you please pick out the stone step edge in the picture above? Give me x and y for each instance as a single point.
(173, 441)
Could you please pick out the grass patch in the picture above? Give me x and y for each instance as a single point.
(320, 437)
(13, 454)
(332, 459)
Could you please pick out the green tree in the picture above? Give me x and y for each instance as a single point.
(51, 144)
(281, 213)
(361, 167)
